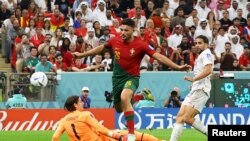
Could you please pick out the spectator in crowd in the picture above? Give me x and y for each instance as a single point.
(56, 40)
(237, 48)
(63, 6)
(107, 61)
(149, 9)
(65, 27)
(56, 20)
(23, 52)
(77, 21)
(85, 97)
(233, 10)
(174, 100)
(218, 11)
(44, 47)
(38, 38)
(221, 39)
(227, 58)
(225, 21)
(202, 9)
(147, 101)
(4, 12)
(52, 54)
(88, 60)
(31, 62)
(44, 65)
(98, 62)
(215, 57)
(211, 19)
(12, 34)
(106, 34)
(245, 59)
(203, 29)
(246, 29)
(78, 66)
(59, 64)
(243, 21)
(135, 11)
(236, 66)
(166, 11)
(31, 28)
(176, 37)
(46, 28)
(87, 13)
(190, 20)
(179, 19)
(97, 28)
(90, 38)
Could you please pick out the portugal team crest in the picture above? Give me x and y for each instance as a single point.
(132, 52)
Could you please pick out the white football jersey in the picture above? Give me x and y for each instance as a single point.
(203, 59)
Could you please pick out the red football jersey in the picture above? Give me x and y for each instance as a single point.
(129, 55)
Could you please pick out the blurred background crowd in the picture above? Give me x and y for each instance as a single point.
(42, 34)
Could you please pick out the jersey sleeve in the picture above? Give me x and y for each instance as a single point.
(109, 43)
(207, 58)
(148, 49)
(91, 121)
(59, 131)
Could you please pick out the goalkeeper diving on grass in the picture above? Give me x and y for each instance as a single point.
(81, 125)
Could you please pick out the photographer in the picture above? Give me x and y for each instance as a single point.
(174, 99)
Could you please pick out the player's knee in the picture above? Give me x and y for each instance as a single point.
(181, 119)
(186, 119)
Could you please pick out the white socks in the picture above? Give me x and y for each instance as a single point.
(199, 126)
(177, 130)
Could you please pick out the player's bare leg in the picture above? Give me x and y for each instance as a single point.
(128, 110)
(186, 115)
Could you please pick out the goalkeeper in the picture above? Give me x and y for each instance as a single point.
(82, 126)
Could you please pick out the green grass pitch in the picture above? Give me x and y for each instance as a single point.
(187, 135)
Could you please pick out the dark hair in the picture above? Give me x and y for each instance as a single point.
(66, 18)
(128, 22)
(58, 55)
(69, 103)
(52, 46)
(42, 55)
(228, 43)
(204, 38)
(32, 48)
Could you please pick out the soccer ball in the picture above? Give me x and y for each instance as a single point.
(39, 79)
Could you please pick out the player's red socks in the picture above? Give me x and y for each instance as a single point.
(129, 117)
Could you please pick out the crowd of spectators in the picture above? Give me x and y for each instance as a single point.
(49, 31)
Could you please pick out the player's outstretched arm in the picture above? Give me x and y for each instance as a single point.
(163, 59)
(93, 51)
(208, 69)
(59, 131)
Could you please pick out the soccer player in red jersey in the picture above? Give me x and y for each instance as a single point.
(128, 53)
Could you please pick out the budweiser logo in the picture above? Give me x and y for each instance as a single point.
(32, 124)
(44, 119)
